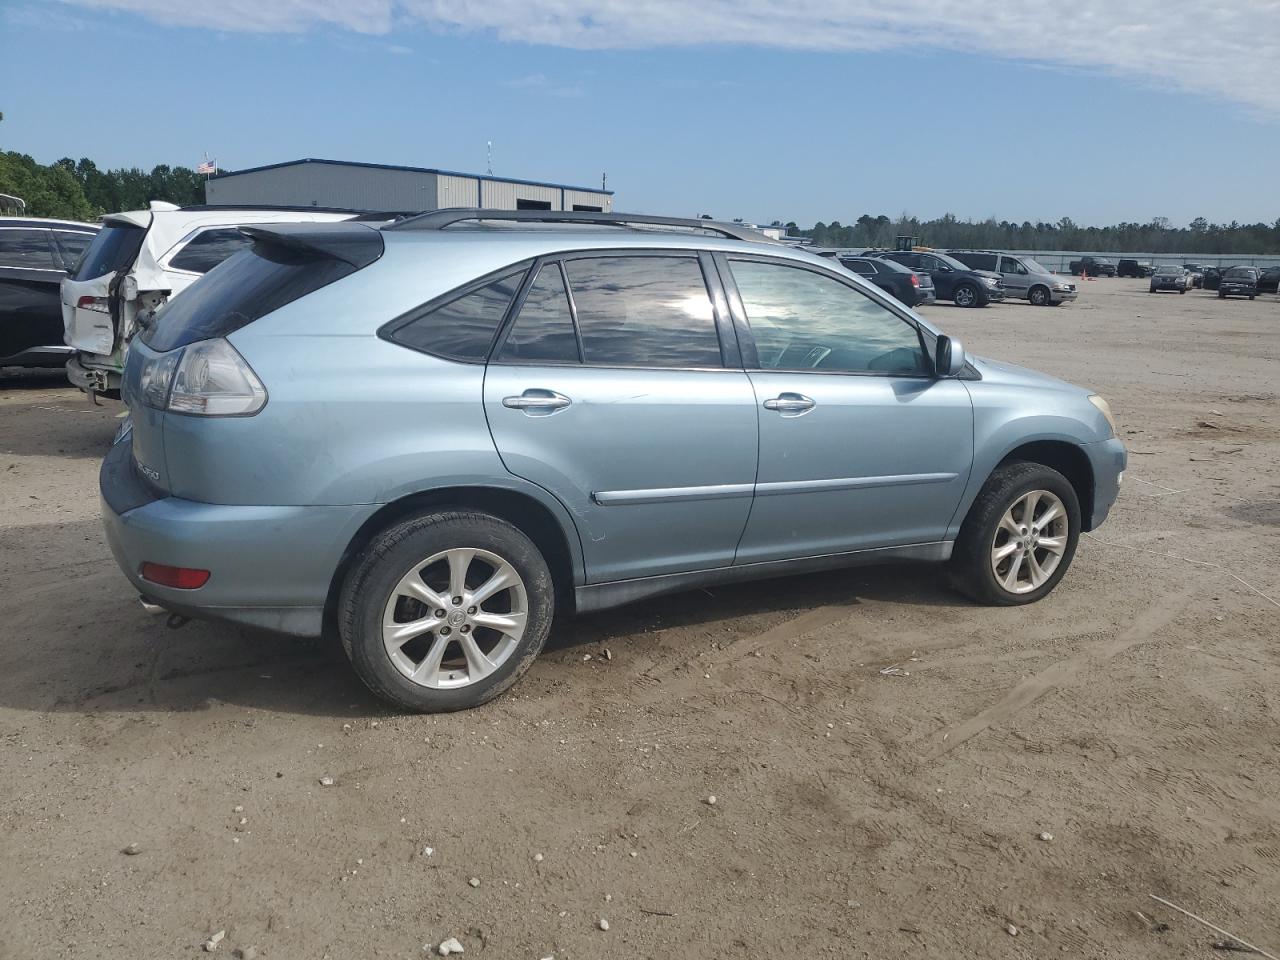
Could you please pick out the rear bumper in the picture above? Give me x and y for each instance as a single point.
(1108, 459)
(270, 566)
(925, 297)
(92, 379)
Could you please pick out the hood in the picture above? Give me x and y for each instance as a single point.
(997, 371)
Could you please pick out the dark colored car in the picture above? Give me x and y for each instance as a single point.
(1211, 277)
(907, 286)
(1238, 282)
(1139, 269)
(1269, 280)
(35, 256)
(1170, 276)
(952, 280)
(1093, 267)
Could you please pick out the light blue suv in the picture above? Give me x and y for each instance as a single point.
(434, 436)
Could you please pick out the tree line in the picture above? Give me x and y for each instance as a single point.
(1158, 236)
(78, 190)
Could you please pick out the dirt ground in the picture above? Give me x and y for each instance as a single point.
(1134, 715)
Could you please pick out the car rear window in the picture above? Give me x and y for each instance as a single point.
(208, 249)
(114, 248)
(249, 285)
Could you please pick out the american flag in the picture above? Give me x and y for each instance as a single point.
(207, 166)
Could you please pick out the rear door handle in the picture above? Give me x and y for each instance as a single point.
(537, 402)
(790, 404)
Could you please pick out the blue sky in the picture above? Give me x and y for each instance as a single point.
(737, 112)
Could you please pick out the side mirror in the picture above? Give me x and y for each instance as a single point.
(948, 357)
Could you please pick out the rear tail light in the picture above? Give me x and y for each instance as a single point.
(180, 578)
(915, 281)
(208, 379)
(97, 304)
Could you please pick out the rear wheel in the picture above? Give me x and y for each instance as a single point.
(966, 295)
(1020, 536)
(446, 610)
(1039, 296)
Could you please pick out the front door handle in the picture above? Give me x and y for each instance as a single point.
(790, 404)
(536, 402)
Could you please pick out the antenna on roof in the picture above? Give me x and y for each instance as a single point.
(604, 181)
(489, 153)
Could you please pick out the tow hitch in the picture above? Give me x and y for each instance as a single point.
(174, 621)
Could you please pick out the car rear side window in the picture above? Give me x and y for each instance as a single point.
(250, 285)
(860, 266)
(543, 331)
(644, 311)
(462, 328)
(28, 249)
(114, 248)
(208, 249)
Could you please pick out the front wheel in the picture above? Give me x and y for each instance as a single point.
(1039, 296)
(1019, 537)
(446, 610)
(966, 295)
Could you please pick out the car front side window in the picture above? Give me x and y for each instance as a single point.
(802, 320)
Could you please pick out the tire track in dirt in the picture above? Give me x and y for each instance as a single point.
(1155, 618)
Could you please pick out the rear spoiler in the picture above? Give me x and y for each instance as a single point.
(352, 243)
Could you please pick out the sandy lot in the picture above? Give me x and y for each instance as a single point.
(1134, 715)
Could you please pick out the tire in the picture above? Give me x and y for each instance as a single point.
(1183, 290)
(375, 588)
(1251, 297)
(1221, 295)
(973, 568)
(966, 295)
(1039, 296)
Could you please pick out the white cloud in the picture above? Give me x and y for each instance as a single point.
(1229, 50)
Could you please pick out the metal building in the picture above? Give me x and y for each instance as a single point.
(378, 186)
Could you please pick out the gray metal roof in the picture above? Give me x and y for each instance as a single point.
(391, 166)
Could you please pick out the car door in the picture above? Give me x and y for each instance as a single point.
(30, 272)
(861, 446)
(1017, 279)
(619, 388)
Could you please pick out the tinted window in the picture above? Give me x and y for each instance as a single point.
(1241, 273)
(31, 249)
(208, 249)
(250, 285)
(977, 261)
(114, 248)
(644, 312)
(463, 328)
(72, 245)
(860, 266)
(543, 332)
(907, 259)
(803, 320)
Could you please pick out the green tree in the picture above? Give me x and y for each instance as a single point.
(50, 191)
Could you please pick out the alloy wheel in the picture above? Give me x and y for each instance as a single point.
(965, 296)
(455, 618)
(1029, 542)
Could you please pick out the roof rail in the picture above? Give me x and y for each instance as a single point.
(439, 219)
(297, 208)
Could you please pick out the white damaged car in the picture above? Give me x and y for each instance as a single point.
(142, 258)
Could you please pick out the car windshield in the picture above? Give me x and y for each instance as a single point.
(1101, 260)
(1034, 266)
(1168, 271)
(114, 248)
(1241, 273)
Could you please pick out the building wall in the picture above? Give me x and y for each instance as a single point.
(371, 188)
(328, 185)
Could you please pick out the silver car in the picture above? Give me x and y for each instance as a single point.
(1024, 277)
(433, 436)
